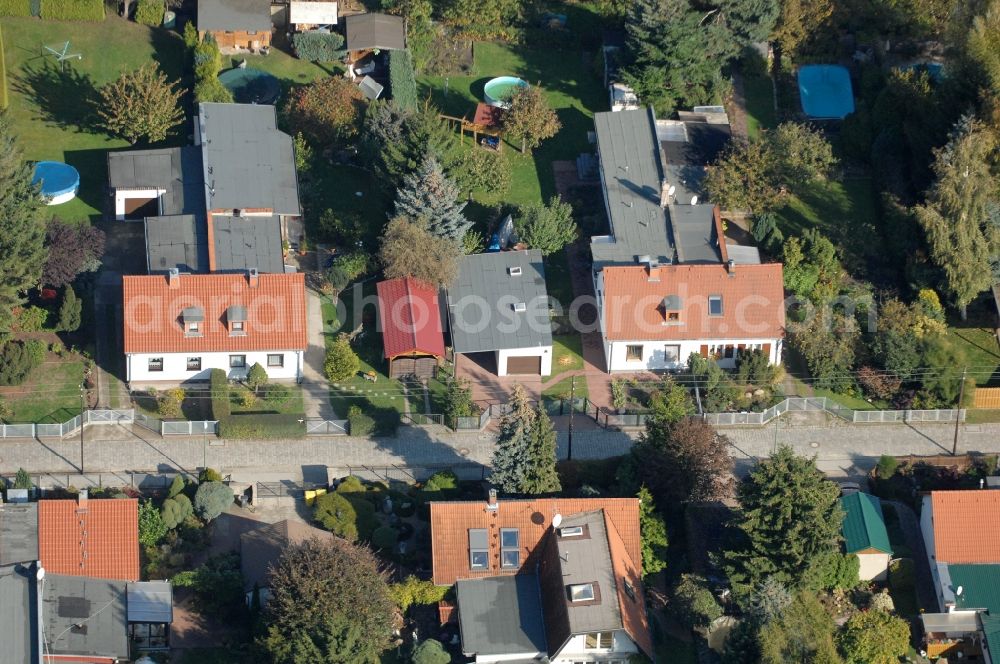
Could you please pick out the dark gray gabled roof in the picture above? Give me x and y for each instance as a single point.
(248, 162)
(19, 626)
(176, 242)
(694, 233)
(501, 616)
(688, 147)
(178, 171)
(369, 31)
(150, 602)
(234, 15)
(631, 176)
(248, 242)
(84, 616)
(18, 533)
(262, 547)
(482, 301)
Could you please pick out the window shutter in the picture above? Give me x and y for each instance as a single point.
(767, 351)
(704, 352)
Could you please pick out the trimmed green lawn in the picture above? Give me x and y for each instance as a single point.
(51, 110)
(845, 213)
(854, 403)
(293, 406)
(567, 353)
(563, 388)
(50, 395)
(286, 67)
(572, 88)
(978, 416)
(336, 188)
(759, 94)
(979, 347)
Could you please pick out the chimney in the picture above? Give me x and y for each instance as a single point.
(491, 501)
(731, 266)
(253, 278)
(666, 194)
(81, 500)
(174, 278)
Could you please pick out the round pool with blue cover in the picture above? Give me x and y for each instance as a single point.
(826, 92)
(251, 86)
(59, 181)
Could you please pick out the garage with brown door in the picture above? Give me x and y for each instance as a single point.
(524, 364)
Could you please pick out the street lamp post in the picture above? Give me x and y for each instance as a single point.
(83, 407)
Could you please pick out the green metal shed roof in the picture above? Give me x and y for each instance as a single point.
(864, 525)
(980, 587)
(991, 630)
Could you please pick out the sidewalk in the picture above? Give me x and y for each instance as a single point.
(315, 388)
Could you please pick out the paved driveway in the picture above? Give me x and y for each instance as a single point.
(315, 389)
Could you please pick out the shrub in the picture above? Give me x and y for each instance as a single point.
(351, 484)
(149, 12)
(261, 426)
(212, 90)
(351, 517)
(209, 475)
(430, 651)
(13, 8)
(412, 591)
(246, 398)
(168, 403)
(341, 360)
(833, 570)
(385, 538)
(16, 362)
(326, 111)
(442, 480)
(36, 349)
(72, 10)
(70, 312)
(886, 466)
(32, 319)
(176, 486)
(151, 526)
(318, 46)
(359, 424)
(218, 585)
(22, 480)
(190, 36)
(212, 499)
(276, 394)
(3, 64)
(219, 391)
(175, 510)
(256, 377)
(485, 170)
(693, 603)
(402, 83)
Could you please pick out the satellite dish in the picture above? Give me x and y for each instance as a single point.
(958, 591)
(556, 520)
(670, 192)
(694, 200)
(40, 573)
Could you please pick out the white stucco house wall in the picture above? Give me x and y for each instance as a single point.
(178, 327)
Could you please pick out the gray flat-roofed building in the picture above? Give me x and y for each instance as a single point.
(249, 163)
(501, 616)
(631, 177)
(370, 31)
(176, 242)
(150, 602)
(85, 617)
(19, 626)
(499, 304)
(176, 171)
(695, 233)
(689, 146)
(233, 15)
(248, 242)
(18, 533)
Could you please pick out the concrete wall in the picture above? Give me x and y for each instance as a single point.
(545, 352)
(654, 353)
(175, 366)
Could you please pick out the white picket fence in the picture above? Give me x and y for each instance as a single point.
(820, 404)
(60, 429)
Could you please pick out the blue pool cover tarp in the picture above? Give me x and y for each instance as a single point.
(56, 177)
(826, 91)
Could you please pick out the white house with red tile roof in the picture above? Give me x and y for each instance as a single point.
(654, 317)
(178, 327)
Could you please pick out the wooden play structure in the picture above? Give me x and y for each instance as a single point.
(485, 122)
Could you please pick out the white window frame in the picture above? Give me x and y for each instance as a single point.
(598, 637)
(154, 364)
(193, 360)
(585, 590)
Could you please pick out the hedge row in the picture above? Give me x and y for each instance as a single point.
(218, 385)
(402, 83)
(3, 76)
(15, 7)
(149, 12)
(319, 46)
(73, 10)
(261, 426)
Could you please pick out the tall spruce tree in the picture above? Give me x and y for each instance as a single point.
(22, 232)
(790, 518)
(956, 214)
(431, 197)
(512, 450)
(540, 476)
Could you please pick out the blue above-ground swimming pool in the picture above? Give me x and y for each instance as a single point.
(826, 92)
(498, 91)
(59, 181)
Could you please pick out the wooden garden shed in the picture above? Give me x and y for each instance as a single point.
(412, 331)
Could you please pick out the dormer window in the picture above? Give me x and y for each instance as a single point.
(192, 317)
(671, 309)
(236, 317)
(582, 592)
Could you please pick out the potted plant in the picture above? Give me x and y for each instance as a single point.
(303, 246)
(285, 246)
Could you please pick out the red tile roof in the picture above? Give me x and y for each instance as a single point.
(451, 521)
(960, 531)
(634, 618)
(752, 302)
(410, 317)
(93, 538)
(275, 311)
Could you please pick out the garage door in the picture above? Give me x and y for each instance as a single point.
(528, 364)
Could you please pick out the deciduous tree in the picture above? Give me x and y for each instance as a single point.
(784, 530)
(256, 377)
(409, 250)
(693, 603)
(874, 637)
(151, 526)
(22, 253)
(72, 250)
(141, 104)
(955, 215)
(329, 603)
(812, 270)
(799, 20)
(547, 228)
(803, 633)
(431, 198)
(530, 119)
(326, 111)
(828, 340)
